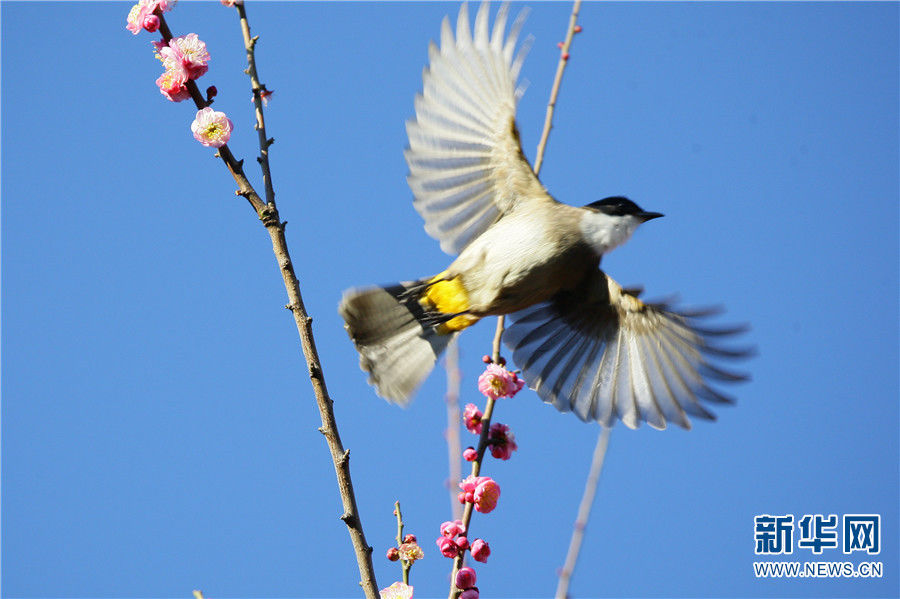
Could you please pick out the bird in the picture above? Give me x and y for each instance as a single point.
(584, 343)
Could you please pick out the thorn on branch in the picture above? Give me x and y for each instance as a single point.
(321, 429)
(270, 141)
(345, 457)
(348, 519)
(289, 307)
(283, 225)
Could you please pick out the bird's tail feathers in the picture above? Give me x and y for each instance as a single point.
(400, 333)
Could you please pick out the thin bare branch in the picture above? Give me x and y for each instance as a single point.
(454, 446)
(557, 81)
(584, 512)
(264, 143)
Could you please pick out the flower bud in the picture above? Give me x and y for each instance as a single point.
(151, 23)
(409, 539)
(393, 554)
(480, 550)
(462, 543)
(470, 454)
(465, 578)
(486, 495)
(469, 594)
(451, 529)
(448, 547)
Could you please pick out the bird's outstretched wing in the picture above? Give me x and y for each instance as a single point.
(466, 166)
(603, 354)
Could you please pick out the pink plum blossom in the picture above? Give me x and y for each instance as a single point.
(172, 85)
(398, 590)
(137, 16)
(502, 440)
(480, 550)
(496, 381)
(212, 128)
(483, 491)
(411, 552)
(472, 419)
(188, 52)
(487, 493)
(465, 578)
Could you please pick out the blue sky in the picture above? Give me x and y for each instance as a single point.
(158, 427)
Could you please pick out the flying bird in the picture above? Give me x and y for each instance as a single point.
(583, 342)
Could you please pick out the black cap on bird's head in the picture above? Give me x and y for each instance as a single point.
(622, 206)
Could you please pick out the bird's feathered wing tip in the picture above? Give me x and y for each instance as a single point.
(466, 167)
(395, 348)
(605, 355)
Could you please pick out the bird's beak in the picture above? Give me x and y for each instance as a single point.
(645, 216)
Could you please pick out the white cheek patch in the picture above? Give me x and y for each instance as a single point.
(603, 232)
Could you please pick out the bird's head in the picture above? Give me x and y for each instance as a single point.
(609, 222)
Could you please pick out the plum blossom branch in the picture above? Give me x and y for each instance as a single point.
(404, 564)
(235, 167)
(479, 493)
(148, 14)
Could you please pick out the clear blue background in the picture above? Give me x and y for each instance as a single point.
(158, 426)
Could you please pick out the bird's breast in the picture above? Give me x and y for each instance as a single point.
(522, 261)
